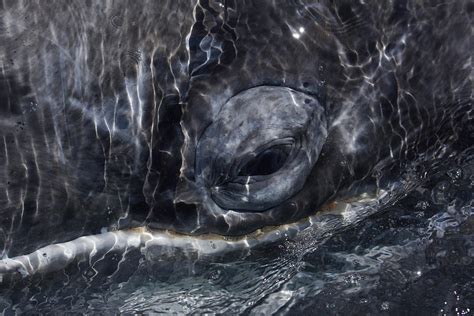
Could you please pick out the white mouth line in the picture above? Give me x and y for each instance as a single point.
(57, 256)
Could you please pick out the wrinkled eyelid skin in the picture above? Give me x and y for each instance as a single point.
(257, 118)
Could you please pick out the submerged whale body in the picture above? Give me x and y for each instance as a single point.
(216, 116)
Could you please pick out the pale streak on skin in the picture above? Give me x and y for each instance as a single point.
(247, 187)
(38, 194)
(129, 90)
(140, 78)
(115, 115)
(23, 192)
(57, 256)
(156, 118)
(7, 163)
(110, 137)
(189, 35)
(293, 99)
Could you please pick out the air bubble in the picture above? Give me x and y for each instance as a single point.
(441, 193)
(455, 174)
(116, 21)
(215, 275)
(385, 306)
(422, 205)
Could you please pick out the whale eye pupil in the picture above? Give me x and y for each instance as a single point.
(267, 162)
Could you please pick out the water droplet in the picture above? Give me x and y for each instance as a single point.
(419, 214)
(330, 306)
(422, 205)
(441, 194)
(215, 275)
(455, 174)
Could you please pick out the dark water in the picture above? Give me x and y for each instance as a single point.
(410, 251)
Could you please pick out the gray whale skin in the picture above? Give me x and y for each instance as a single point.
(215, 117)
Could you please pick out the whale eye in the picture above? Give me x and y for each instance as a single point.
(267, 162)
(259, 149)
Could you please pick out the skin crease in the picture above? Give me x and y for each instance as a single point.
(125, 121)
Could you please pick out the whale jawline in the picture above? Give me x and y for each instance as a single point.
(94, 248)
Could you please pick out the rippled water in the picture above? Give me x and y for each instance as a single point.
(412, 256)
(409, 251)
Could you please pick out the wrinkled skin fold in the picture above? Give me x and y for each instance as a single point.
(216, 117)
